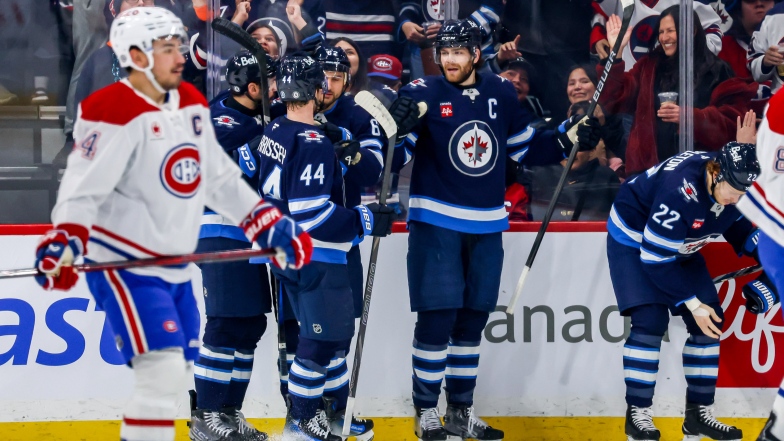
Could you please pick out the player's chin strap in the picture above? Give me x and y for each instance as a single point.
(148, 73)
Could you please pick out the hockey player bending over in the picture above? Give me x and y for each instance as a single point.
(135, 187)
(659, 221)
(299, 172)
(456, 216)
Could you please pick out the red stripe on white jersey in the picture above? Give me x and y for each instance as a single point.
(764, 198)
(127, 242)
(133, 323)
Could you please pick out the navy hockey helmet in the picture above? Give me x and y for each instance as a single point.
(333, 59)
(739, 165)
(299, 76)
(243, 69)
(462, 33)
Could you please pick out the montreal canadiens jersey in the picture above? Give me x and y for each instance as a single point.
(460, 145)
(668, 213)
(770, 33)
(234, 129)
(141, 174)
(299, 173)
(365, 129)
(643, 22)
(764, 202)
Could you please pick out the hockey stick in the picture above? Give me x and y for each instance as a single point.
(739, 273)
(216, 256)
(628, 10)
(240, 36)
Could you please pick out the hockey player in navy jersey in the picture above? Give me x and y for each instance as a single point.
(236, 294)
(135, 187)
(659, 220)
(456, 216)
(300, 173)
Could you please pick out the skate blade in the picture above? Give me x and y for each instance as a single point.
(700, 437)
(629, 438)
(367, 436)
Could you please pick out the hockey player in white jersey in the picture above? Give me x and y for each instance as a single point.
(144, 166)
(764, 205)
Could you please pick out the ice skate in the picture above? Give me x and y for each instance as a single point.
(211, 426)
(700, 423)
(767, 431)
(308, 430)
(639, 424)
(461, 422)
(428, 426)
(361, 429)
(236, 420)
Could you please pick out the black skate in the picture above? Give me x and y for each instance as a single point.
(462, 422)
(236, 420)
(427, 425)
(767, 431)
(639, 424)
(361, 429)
(308, 430)
(700, 423)
(211, 426)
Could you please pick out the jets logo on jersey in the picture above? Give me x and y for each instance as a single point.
(418, 82)
(473, 148)
(693, 247)
(642, 35)
(225, 121)
(180, 171)
(311, 135)
(688, 191)
(434, 8)
(446, 110)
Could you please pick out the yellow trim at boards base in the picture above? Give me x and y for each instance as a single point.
(388, 429)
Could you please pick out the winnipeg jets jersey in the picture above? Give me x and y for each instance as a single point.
(764, 202)
(234, 129)
(141, 173)
(646, 14)
(770, 33)
(461, 145)
(365, 129)
(668, 213)
(299, 173)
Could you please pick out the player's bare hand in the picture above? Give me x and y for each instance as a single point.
(294, 14)
(602, 49)
(669, 112)
(414, 33)
(706, 319)
(747, 128)
(773, 57)
(242, 12)
(508, 51)
(613, 27)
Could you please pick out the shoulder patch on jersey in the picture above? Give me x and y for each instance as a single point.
(102, 106)
(418, 82)
(225, 121)
(190, 95)
(775, 113)
(311, 135)
(688, 191)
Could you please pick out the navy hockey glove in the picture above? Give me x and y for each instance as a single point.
(376, 219)
(334, 132)
(760, 295)
(55, 254)
(269, 228)
(405, 112)
(347, 153)
(586, 131)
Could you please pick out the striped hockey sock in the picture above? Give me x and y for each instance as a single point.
(429, 363)
(462, 365)
(701, 367)
(337, 382)
(640, 366)
(240, 378)
(284, 380)
(212, 375)
(306, 386)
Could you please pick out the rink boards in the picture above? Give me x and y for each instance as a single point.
(558, 356)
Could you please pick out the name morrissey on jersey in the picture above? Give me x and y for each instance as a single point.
(272, 149)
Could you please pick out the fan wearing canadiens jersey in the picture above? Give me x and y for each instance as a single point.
(135, 187)
(659, 220)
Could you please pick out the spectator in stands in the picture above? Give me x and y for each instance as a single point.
(266, 36)
(384, 70)
(718, 97)
(522, 75)
(359, 67)
(766, 59)
(370, 23)
(746, 18)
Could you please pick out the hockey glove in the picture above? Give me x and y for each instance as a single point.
(55, 254)
(376, 219)
(405, 112)
(586, 131)
(760, 295)
(335, 133)
(269, 228)
(347, 153)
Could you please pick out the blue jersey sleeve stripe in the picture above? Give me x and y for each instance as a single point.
(489, 13)
(648, 257)
(412, 138)
(368, 143)
(660, 241)
(314, 222)
(519, 155)
(618, 222)
(377, 155)
(524, 136)
(302, 205)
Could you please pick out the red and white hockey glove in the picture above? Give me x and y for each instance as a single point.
(269, 228)
(55, 254)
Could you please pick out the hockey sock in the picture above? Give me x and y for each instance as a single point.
(212, 376)
(291, 330)
(284, 380)
(640, 366)
(701, 366)
(429, 363)
(462, 365)
(306, 386)
(240, 378)
(337, 382)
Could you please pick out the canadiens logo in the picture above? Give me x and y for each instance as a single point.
(311, 135)
(180, 171)
(688, 191)
(170, 326)
(383, 63)
(225, 121)
(473, 148)
(446, 110)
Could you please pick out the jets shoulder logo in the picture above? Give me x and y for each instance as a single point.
(473, 148)
(225, 121)
(688, 191)
(418, 82)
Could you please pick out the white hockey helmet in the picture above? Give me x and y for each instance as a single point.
(139, 27)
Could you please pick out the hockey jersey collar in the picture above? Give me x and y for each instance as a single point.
(172, 101)
(476, 84)
(233, 104)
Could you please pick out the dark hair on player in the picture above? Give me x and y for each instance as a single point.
(359, 81)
